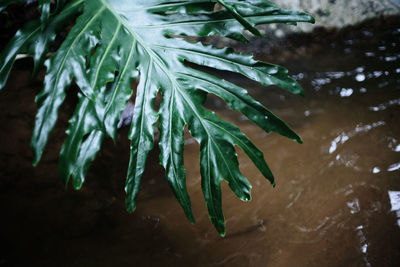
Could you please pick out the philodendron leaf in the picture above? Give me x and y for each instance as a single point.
(114, 42)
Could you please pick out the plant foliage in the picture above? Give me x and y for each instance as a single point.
(114, 42)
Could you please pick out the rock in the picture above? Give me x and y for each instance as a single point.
(336, 13)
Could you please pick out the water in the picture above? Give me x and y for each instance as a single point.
(337, 200)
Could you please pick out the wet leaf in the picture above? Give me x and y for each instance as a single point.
(111, 44)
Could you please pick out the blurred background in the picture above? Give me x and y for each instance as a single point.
(337, 199)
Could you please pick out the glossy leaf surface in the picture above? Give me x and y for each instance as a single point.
(114, 42)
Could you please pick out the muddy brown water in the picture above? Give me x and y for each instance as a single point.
(337, 200)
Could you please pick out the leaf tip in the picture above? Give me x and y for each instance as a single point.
(189, 215)
(311, 19)
(130, 206)
(36, 159)
(246, 198)
(299, 140)
(130, 209)
(191, 219)
(221, 228)
(36, 150)
(77, 185)
(295, 137)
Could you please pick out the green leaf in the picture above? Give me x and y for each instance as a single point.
(67, 62)
(77, 153)
(248, 25)
(238, 99)
(17, 43)
(47, 35)
(44, 6)
(142, 130)
(34, 40)
(112, 44)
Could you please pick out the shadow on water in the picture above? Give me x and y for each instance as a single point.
(337, 202)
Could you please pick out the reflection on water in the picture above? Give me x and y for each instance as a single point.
(395, 203)
(394, 167)
(337, 200)
(343, 137)
(380, 107)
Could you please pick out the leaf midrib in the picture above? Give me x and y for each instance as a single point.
(170, 148)
(142, 108)
(14, 55)
(233, 95)
(94, 81)
(209, 181)
(120, 79)
(81, 119)
(80, 163)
